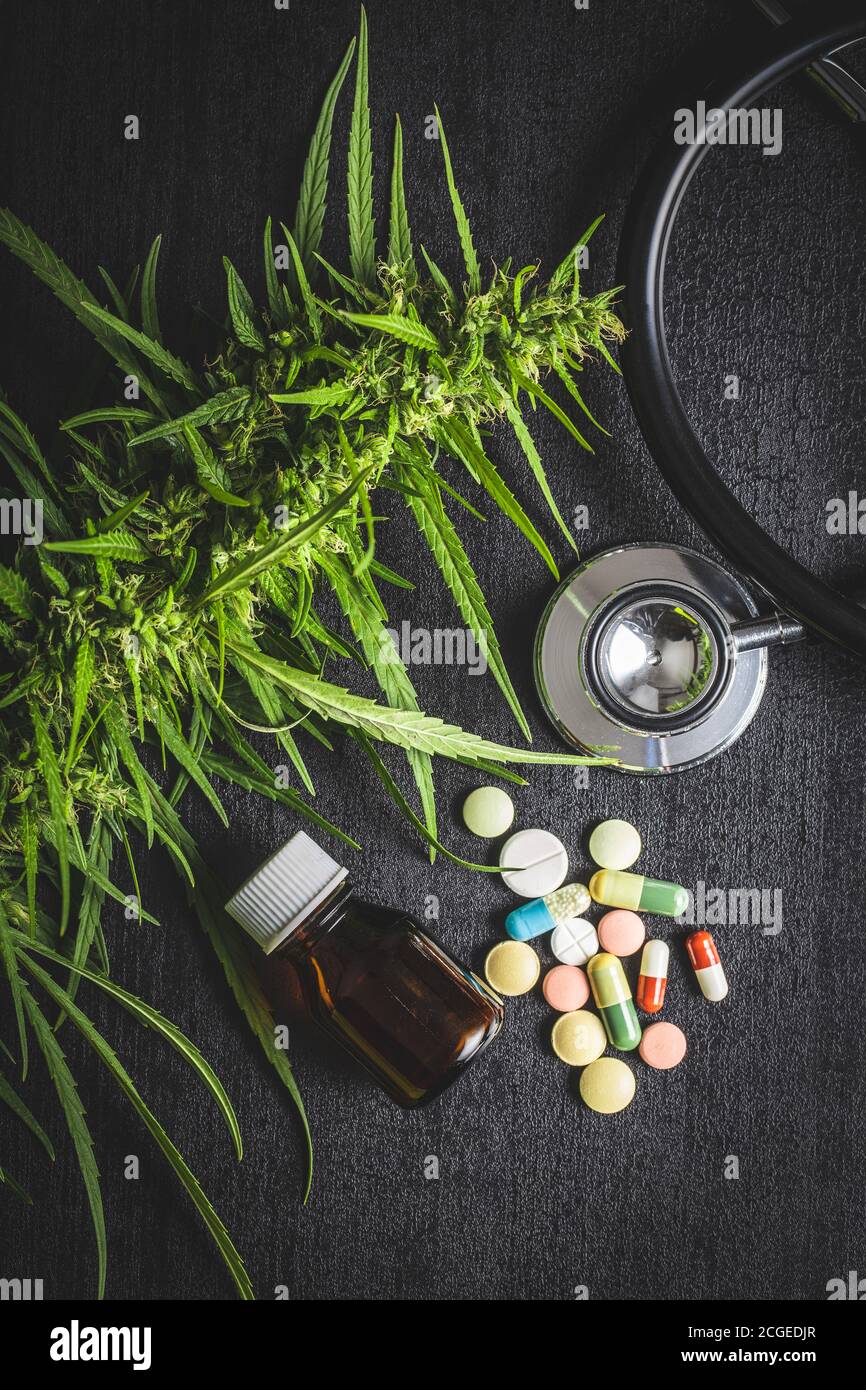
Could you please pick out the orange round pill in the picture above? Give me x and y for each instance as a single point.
(621, 932)
(663, 1045)
(565, 988)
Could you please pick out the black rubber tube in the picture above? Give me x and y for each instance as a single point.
(658, 407)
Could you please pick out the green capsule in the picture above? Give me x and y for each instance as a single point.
(638, 893)
(614, 1002)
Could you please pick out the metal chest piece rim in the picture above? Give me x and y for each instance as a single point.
(635, 658)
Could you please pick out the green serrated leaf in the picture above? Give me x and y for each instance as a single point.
(568, 266)
(30, 848)
(153, 1019)
(21, 1193)
(470, 259)
(209, 471)
(116, 518)
(219, 410)
(353, 290)
(399, 236)
(317, 395)
(11, 1099)
(396, 326)
(406, 728)
(98, 855)
(23, 242)
(571, 388)
(167, 363)
(527, 444)
(131, 663)
(313, 317)
(186, 758)
(117, 545)
(14, 593)
(118, 300)
(188, 1180)
(312, 200)
(246, 987)
(439, 279)
(272, 284)
(456, 569)
(271, 552)
(108, 415)
(362, 231)
(389, 671)
(242, 310)
(537, 393)
(405, 809)
(58, 804)
(149, 315)
(17, 988)
(55, 577)
(73, 1111)
(28, 440)
(30, 485)
(460, 442)
(23, 688)
(116, 724)
(187, 572)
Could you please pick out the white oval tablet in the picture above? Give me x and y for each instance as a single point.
(533, 862)
(574, 942)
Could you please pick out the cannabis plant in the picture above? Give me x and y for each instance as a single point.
(176, 604)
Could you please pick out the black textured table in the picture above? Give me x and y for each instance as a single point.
(550, 112)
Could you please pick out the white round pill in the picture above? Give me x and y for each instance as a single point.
(532, 863)
(575, 941)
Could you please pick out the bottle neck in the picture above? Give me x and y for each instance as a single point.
(323, 917)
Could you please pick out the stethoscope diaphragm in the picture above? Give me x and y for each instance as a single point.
(643, 652)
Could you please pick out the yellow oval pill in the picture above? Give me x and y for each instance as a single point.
(578, 1038)
(607, 1085)
(512, 967)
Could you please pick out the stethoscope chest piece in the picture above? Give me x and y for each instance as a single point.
(637, 655)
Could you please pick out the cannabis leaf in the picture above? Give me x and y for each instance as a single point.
(463, 231)
(310, 212)
(362, 234)
(400, 239)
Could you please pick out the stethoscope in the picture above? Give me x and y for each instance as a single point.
(654, 652)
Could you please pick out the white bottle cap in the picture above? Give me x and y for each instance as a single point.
(283, 892)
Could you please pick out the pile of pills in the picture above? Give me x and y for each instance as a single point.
(534, 865)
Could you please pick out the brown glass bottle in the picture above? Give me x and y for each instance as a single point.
(371, 977)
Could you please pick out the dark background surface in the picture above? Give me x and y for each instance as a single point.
(550, 113)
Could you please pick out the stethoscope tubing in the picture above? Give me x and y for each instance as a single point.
(655, 399)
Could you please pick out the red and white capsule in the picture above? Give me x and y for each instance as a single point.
(653, 978)
(707, 965)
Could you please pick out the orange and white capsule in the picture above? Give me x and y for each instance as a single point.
(653, 978)
(707, 965)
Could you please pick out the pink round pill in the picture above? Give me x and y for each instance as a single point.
(663, 1045)
(621, 932)
(565, 988)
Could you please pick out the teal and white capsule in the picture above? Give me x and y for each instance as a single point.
(543, 914)
(638, 893)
